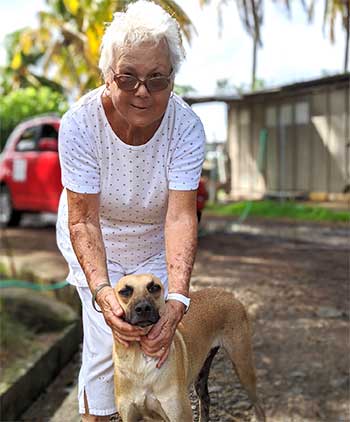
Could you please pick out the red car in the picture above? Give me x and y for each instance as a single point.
(30, 174)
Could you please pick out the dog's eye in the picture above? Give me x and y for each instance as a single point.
(126, 291)
(153, 288)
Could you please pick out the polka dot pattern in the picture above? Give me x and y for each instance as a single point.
(133, 181)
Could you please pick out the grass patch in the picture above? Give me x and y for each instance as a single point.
(274, 209)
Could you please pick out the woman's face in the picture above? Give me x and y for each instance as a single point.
(142, 108)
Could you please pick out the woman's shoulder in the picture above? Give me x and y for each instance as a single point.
(85, 104)
(182, 109)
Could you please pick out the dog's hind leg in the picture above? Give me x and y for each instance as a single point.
(201, 387)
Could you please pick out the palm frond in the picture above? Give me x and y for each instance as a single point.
(180, 15)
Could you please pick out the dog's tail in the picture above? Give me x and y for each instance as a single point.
(236, 341)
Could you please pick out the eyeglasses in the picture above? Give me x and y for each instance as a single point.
(132, 83)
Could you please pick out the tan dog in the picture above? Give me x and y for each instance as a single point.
(215, 318)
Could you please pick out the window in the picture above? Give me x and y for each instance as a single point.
(271, 116)
(286, 115)
(48, 131)
(302, 115)
(28, 140)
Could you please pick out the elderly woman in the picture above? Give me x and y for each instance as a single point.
(131, 153)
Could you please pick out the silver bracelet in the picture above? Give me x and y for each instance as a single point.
(94, 294)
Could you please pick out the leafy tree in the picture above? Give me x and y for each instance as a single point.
(20, 73)
(28, 102)
(224, 86)
(73, 29)
(184, 89)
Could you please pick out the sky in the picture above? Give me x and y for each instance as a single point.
(293, 50)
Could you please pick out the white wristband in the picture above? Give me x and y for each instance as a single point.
(180, 298)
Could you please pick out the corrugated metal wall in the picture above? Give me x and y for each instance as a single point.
(307, 144)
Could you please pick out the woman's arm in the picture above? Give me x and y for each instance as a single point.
(87, 242)
(180, 239)
(86, 236)
(181, 246)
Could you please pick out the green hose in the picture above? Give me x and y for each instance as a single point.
(33, 286)
(245, 212)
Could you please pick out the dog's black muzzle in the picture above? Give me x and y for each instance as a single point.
(143, 314)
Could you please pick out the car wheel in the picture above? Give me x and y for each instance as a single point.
(8, 216)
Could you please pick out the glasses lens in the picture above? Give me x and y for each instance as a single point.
(130, 83)
(157, 84)
(126, 83)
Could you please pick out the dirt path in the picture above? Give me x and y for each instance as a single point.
(297, 293)
(298, 296)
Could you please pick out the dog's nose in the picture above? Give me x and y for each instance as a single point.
(143, 308)
(143, 313)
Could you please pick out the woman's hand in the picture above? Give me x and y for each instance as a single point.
(123, 332)
(157, 343)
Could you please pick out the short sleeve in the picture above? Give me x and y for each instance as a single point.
(186, 162)
(78, 159)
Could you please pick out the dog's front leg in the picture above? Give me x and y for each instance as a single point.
(129, 413)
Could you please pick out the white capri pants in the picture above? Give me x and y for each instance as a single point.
(96, 373)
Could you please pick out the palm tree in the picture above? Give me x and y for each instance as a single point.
(251, 15)
(20, 72)
(73, 29)
(333, 9)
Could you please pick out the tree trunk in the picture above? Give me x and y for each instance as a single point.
(255, 53)
(347, 32)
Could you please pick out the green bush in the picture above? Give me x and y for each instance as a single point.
(25, 103)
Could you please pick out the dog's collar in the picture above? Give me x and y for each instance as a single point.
(180, 298)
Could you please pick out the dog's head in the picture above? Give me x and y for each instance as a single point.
(141, 297)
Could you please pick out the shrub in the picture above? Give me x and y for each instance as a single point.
(25, 103)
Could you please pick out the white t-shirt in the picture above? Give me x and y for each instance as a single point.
(133, 181)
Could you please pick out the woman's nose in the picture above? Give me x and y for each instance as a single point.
(142, 91)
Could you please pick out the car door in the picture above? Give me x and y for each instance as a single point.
(48, 171)
(22, 179)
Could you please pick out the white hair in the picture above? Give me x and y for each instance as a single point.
(143, 21)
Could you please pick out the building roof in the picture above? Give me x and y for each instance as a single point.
(290, 89)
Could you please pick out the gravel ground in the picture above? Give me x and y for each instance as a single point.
(297, 294)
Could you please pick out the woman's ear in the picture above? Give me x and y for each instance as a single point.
(108, 89)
